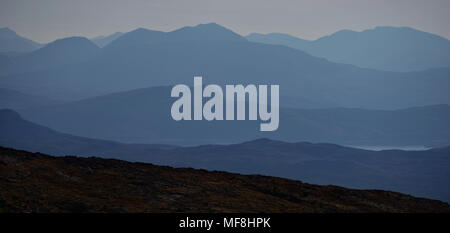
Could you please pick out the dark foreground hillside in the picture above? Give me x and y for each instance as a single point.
(32, 182)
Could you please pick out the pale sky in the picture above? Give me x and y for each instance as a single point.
(47, 20)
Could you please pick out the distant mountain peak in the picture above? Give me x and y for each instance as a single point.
(10, 41)
(340, 34)
(207, 27)
(69, 40)
(136, 38)
(388, 48)
(75, 43)
(380, 31)
(141, 30)
(375, 29)
(64, 51)
(212, 32)
(211, 26)
(144, 32)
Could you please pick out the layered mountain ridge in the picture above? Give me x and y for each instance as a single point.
(384, 48)
(420, 173)
(144, 58)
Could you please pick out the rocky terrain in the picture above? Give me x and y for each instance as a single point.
(34, 182)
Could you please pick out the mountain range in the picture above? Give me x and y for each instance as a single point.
(11, 42)
(59, 53)
(143, 58)
(384, 48)
(420, 173)
(100, 97)
(143, 116)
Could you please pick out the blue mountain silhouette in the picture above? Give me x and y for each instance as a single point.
(143, 58)
(143, 116)
(383, 48)
(421, 173)
(10, 41)
(58, 53)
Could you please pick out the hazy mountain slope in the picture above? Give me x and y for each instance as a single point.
(144, 58)
(102, 41)
(11, 42)
(73, 184)
(18, 133)
(421, 173)
(16, 100)
(140, 37)
(143, 116)
(204, 33)
(55, 54)
(383, 48)
(280, 39)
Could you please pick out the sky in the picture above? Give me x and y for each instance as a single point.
(47, 20)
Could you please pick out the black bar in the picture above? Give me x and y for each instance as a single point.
(277, 222)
